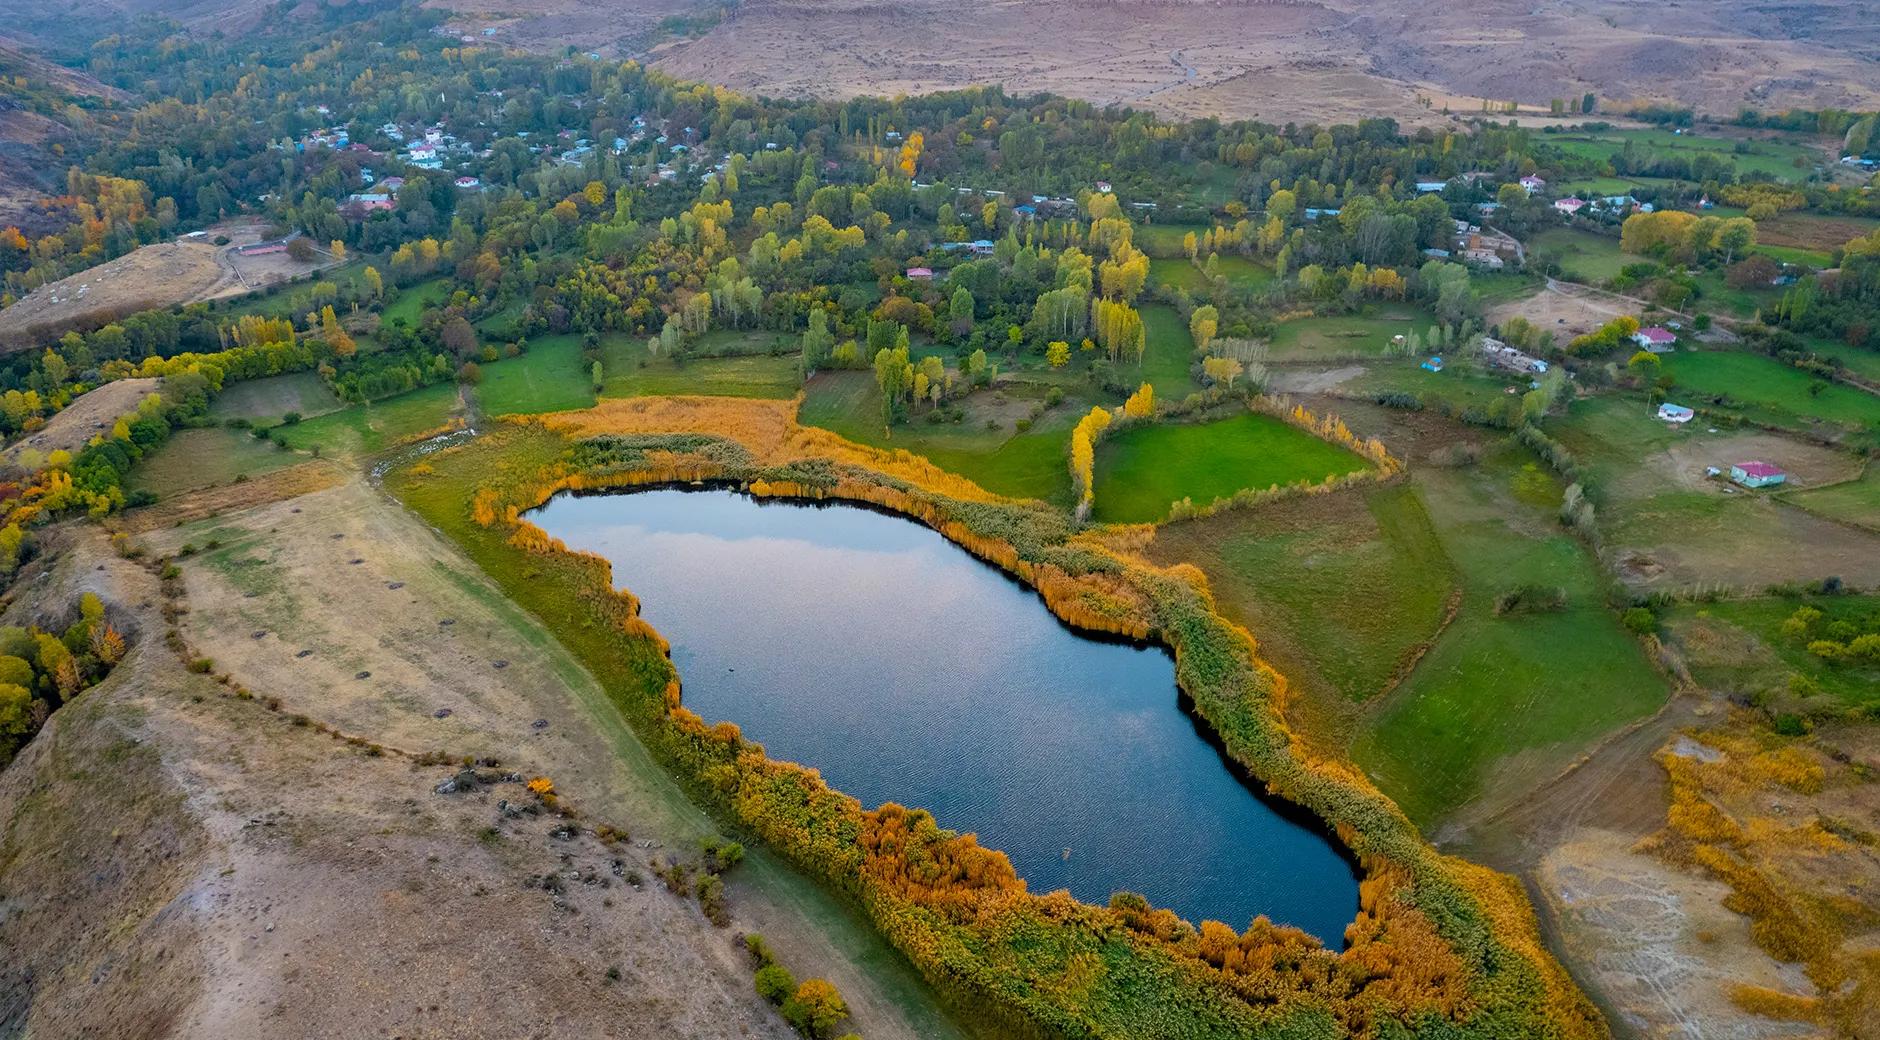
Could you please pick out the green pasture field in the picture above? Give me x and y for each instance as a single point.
(1814, 258)
(1738, 646)
(629, 371)
(1517, 691)
(206, 457)
(1583, 256)
(1864, 363)
(1718, 297)
(1346, 335)
(1775, 158)
(1460, 385)
(1855, 501)
(1141, 470)
(1179, 273)
(1339, 589)
(365, 429)
(266, 400)
(551, 377)
(1763, 389)
(1030, 464)
(1170, 354)
(1164, 241)
(414, 299)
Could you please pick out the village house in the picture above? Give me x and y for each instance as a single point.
(1484, 258)
(920, 274)
(1675, 413)
(1533, 184)
(1757, 474)
(1657, 339)
(1569, 206)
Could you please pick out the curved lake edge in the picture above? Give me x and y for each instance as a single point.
(1286, 809)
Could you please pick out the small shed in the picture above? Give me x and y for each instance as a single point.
(1757, 474)
(1675, 413)
(1434, 364)
(920, 273)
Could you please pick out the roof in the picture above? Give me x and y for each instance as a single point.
(1758, 469)
(1658, 334)
(1677, 410)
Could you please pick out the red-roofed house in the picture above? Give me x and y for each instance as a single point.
(1657, 339)
(1533, 184)
(1569, 206)
(920, 273)
(1757, 474)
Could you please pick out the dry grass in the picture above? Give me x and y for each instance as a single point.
(90, 414)
(768, 428)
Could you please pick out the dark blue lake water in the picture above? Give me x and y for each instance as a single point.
(873, 649)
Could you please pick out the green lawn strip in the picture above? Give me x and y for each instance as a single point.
(1346, 335)
(1864, 363)
(1763, 389)
(1738, 646)
(1165, 241)
(1169, 355)
(198, 458)
(1142, 470)
(534, 609)
(551, 377)
(364, 429)
(1775, 158)
(1500, 685)
(1461, 386)
(266, 400)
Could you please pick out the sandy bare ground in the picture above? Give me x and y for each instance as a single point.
(234, 874)
(353, 613)
(89, 415)
(183, 271)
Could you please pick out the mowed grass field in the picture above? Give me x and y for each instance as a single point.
(1582, 255)
(1142, 470)
(1738, 646)
(200, 458)
(1503, 701)
(1763, 389)
(1339, 589)
(365, 429)
(551, 377)
(1778, 159)
(1179, 273)
(1461, 386)
(1032, 463)
(265, 401)
(1347, 335)
(1170, 354)
(629, 371)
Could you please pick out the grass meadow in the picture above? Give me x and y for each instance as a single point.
(365, 429)
(1762, 389)
(1142, 470)
(207, 457)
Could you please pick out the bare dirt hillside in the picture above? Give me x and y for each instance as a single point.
(1274, 59)
(177, 860)
(242, 871)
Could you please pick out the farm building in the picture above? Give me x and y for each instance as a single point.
(1487, 258)
(1533, 184)
(1757, 474)
(1434, 364)
(272, 245)
(1657, 339)
(1675, 413)
(1569, 206)
(1501, 355)
(923, 274)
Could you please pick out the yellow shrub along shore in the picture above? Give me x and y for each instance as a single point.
(1440, 947)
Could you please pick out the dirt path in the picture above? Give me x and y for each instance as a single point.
(358, 615)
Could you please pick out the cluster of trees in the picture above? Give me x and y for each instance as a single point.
(1687, 237)
(40, 670)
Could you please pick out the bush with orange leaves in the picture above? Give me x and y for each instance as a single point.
(1436, 944)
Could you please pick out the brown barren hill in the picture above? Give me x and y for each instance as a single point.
(1323, 62)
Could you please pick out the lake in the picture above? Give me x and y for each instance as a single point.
(871, 648)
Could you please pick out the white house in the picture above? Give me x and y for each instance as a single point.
(1656, 339)
(1533, 184)
(1675, 413)
(1569, 206)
